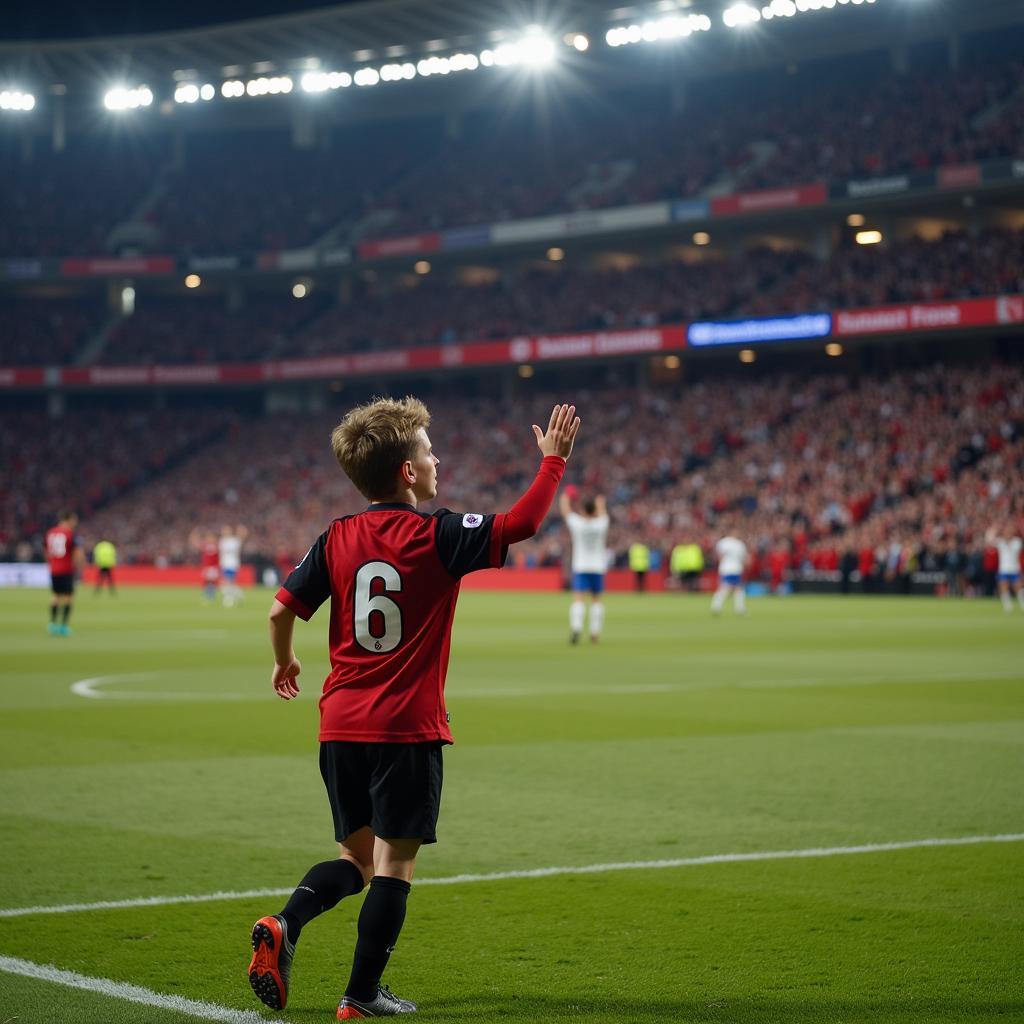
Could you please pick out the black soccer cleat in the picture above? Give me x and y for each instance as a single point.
(384, 1004)
(574, 638)
(271, 965)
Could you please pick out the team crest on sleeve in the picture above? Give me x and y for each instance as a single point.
(471, 520)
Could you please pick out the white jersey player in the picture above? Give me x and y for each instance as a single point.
(732, 560)
(229, 548)
(589, 532)
(1008, 543)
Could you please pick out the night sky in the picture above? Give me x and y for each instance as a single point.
(73, 19)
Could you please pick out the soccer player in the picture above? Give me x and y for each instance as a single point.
(65, 557)
(392, 573)
(1008, 543)
(209, 561)
(229, 551)
(732, 560)
(104, 557)
(589, 533)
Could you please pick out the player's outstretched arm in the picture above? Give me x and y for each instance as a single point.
(564, 505)
(524, 518)
(286, 665)
(601, 506)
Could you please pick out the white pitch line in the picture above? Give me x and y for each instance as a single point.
(131, 993)
(499, 876)
(90, 688)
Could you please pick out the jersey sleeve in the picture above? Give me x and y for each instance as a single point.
(469, 542)
(309, 583)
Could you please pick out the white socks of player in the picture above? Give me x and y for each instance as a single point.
(577, 611)
(596, 619)
(739, 599)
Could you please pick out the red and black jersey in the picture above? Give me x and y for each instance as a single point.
(60, 549)
(392, 574)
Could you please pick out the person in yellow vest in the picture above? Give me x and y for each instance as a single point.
(639, 564)
(686, 564)
(104, 557)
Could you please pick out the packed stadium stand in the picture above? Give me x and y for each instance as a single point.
(436, 310)
(913, 466)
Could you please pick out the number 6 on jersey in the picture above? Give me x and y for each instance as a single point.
(365, 604)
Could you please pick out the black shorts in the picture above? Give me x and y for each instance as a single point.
(63, 583)
(395, 788)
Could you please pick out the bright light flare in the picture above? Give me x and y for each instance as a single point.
(122, 98)
(15, 99)
(740, 16)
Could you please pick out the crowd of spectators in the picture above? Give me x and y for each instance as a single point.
(67, 203)
(758, 282)
(83, 461)
(884, 475)
(190, 329)
(45, 332)
(437, 310)
(253, 191)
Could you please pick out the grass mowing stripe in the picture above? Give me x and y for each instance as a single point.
(552, 872)
(130, 993)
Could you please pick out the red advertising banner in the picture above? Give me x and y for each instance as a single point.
(22, 377)
(769, 199)
(959, 175)
(115, 266)
(929, 316)
(407, 245)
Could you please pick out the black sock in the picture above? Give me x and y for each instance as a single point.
(65, 614)
(324, 886)
(380, 922)
(53, 613)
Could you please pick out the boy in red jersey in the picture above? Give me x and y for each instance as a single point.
(209, 560)
(65, 557)
(392, 574)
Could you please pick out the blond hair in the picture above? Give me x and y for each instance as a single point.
(373, 441)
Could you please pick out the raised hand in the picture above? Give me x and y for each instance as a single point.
(561, 433)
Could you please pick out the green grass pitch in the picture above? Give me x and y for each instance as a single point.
(813, 723)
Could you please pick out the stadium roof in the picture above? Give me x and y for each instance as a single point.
(379, 31)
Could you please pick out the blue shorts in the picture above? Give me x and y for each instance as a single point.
(1008, 577)
(731, 581)
(229, 575)
(592, 581)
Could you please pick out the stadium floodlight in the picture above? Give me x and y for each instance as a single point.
(121, 98)
(658, 30)
(740, 16)
(207, 92)
(232, 89)
(398, 72)
(872, 237)
(366, 76)
(16, 99)
(187, 93)
(580, 42)
(535, 50)
(779, 9)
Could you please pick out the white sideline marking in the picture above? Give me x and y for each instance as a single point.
(130, 993)
(498, 876)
